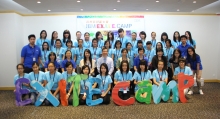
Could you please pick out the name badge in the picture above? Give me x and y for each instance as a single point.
(34, 59)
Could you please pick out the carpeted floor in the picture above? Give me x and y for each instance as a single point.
(198, 107)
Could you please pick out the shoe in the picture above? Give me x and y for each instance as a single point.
(185, 91)
(190, 92)
(200, 91)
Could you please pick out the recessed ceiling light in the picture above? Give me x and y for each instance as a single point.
(177, 10)
(48, 10)
(194, 1)
(114, 9)
(38, 2)
(147, 9)
(81, 9)
(118, 1)
(77, 1)
(157, 1)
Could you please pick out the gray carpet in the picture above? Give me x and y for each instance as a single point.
(198, 107)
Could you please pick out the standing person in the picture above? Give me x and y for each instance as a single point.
(176, 39)
(159, 56)
(66, 37)
(160, 74)
(87, 43)
(133, 41)
(153, 41)
(21, 74)
(107, 45)
(59, 50)
(122, 38)
(51, 58)
(123, 75)
(95, 50)
(149, 52)
(44, 55)
(87, 60)
(42, 39)
(79, 54)
(105, 84)
(174, 61)
(78, 36)
(30, 53)
(160, 46)
(107, 60)
(184, 46)
(143, 37)
(38, 76)
(98, 36)
(169, 52)
(116, 53)
(65, 75)
(190, 40)
(69, 47)
(141, 74)
(111, 39)
(54, 37)
(194, 62)
(139, 58)
(53, 76)
(164, 37)
(130, 56)
(139, 45)
(68, 58)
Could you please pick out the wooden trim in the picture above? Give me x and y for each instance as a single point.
(206, 81)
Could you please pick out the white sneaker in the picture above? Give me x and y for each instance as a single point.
(190, 92)
(185, 91)
(200, 91)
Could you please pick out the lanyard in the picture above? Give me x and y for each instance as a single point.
(99, 43)
(45, 53)
(133, 42)
(111, 42)
(142, 77)
(94, 50)
(87, 42)
(160, 76)
(53, 76)
(153, 43)
(80, 52)
(37, 77)
(103, 82)
(121, 39)
(33, 51)
(129, 53)
(123, 78)
(58, 51)
(168, 52)
(84, 81)
(54, 45)
(148, 54)
(183, 70)
(117, 53)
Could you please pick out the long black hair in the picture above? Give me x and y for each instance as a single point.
(112, 34)
(143, 33)
(168, 40)
(66, 32)
(52, 38)
(163, 34)
(47, 46)
(142, 62)
(83, 67)
(90, 57)
(174, 38)
(70, 53)
(106, 67)
(107, 41)
(118, 41)
(173, 57)
(194, 54)
(160, 48)
(97, 34)
(42, 32)
(52, 54)
(190, 37)
(124, 61)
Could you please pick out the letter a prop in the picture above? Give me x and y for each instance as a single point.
(19, 91)
(181, 86)
(144, 87)
(117, 100)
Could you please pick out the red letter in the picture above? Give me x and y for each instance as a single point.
(62, 87)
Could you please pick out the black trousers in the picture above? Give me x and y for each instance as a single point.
(170, 74)
(106, 99)
(124, 96)
(81, 101)
(27, 70)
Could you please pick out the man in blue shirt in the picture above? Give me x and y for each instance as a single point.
(122, 38)
(107, 60)
(139, 57)
(30, 53)
(184, 46)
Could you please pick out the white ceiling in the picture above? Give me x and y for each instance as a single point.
(68, 6)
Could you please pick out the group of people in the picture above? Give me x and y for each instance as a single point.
(112, 61)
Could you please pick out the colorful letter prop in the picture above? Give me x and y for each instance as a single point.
(117, 100)
(92, 91)
(19, 91)
(44, 93)
(144, 87)
(76, 81)
(181, 79)
(62, 87)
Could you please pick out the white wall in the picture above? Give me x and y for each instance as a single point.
(9, 32)
(15, 29)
